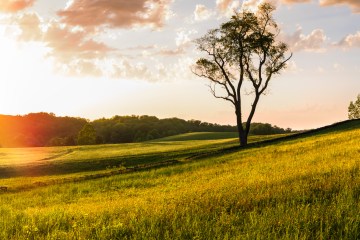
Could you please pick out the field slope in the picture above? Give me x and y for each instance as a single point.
(303, 187)
(216, 136)
(199, 136)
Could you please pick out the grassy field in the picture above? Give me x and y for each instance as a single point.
(215, 136)
(200, 136)
(23, 168)
(304, 187)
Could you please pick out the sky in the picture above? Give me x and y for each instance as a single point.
(100, 58)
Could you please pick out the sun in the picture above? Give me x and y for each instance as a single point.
(22, 68)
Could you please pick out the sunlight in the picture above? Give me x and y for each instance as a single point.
(21, 156)
(22, 68)
(29, 83)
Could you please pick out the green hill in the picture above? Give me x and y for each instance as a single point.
(216, 136)
(299, 187)
(199, 136)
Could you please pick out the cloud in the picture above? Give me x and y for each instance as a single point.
(81, 68)
(74, 50)
(292, 67)
(350, 41)
(155, 50)
(201, 13)
(251, 4)
(354, 4)
(15, 5)
(183, 41)
(223, 5)
(153, 71)
(115, 14)
(30, 25)
(125, 69)
(69, 43)
(227, 7)
(313, 42)
(183, 37)
(295, 1)
(65, 42)
(171, 52)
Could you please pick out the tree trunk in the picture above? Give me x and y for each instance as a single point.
(242, 133)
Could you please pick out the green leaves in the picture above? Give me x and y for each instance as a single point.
(87, 135)
(354, 109)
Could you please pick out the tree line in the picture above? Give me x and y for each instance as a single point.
(46, 129)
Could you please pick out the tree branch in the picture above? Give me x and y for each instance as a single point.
(212, 89)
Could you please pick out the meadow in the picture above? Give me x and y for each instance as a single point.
(298, 187)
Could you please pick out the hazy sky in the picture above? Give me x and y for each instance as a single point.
(99, 58)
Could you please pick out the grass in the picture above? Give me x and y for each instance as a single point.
(200, 136)
(215, 136)
(307, 187)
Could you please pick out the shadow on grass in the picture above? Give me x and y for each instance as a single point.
(70, 167)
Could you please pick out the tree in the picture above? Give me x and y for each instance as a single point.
(87, 135)
(354, 109)
(243, 50)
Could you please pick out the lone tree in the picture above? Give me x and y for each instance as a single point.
(354, 109)
(243, 49)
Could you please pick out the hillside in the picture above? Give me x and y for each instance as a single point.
(199, 136)
(304, 186)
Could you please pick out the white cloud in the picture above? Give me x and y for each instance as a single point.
(251, 4)
(227, 7)
(292, 67)
(313, 42)
(202, 13)
(158, 72)
(353, 4)
(350, 41)
(183, 37)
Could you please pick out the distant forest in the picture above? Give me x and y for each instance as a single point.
(46, 129)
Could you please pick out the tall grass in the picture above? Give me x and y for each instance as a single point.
(305, 188)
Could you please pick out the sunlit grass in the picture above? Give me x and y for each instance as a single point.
(305, 188)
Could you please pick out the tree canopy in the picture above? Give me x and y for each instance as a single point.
(87, 135)
(44, 129)
(354, 109)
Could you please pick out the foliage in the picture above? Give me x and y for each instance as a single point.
(87, 135)
(242, 49)
(43, 129)
(266, 129)
(38, 129)
(354, 109)
(304, 188)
